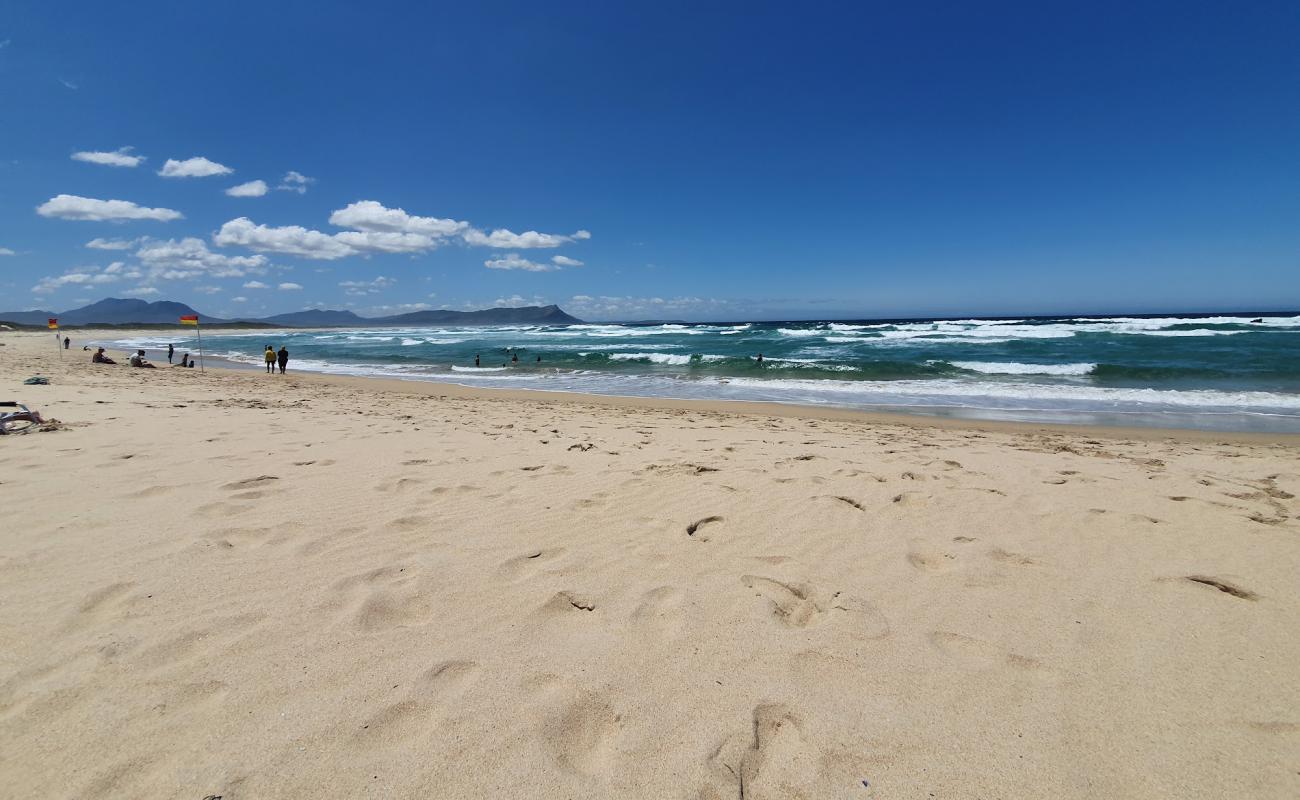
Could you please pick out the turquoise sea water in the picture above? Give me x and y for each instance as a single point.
(1212, 372)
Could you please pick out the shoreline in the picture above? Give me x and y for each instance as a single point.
(428, 387)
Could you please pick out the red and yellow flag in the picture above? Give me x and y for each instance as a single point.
(54, 324)
(191, 319)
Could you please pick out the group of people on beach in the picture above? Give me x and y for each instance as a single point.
(273, 359)
(137, 359)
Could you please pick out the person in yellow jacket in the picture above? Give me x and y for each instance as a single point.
(269, 355)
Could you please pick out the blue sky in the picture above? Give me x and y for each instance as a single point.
(700, 161)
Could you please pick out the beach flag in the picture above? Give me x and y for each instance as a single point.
(193, 319)
(54, 324)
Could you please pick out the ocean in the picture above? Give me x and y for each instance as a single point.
(1232, 373)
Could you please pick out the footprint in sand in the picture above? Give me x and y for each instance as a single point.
(771, 760)
(250, 483)
(1224, 586)
(696, 528)
(979, 654)
(928, 558)
(566, 603)
(660, 610)
(580, 728)
(434, 691)
(529, 562)
(800, 605)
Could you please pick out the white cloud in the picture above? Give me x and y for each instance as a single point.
(380, 242)
(70, 206)
(239, 299)
(502, 238)
(143, 291)
(362, 288)
(298, 241)
(369, 215)
(289, 287)
(565, 261)
(207, 289)
(399, 308)
(291, 240)
(5, 251)
(197, 167)
(68, 84)
(190, 258)
(117, 158)
(515, 301)
(111, 244)
(81, 276)
(515, 261)
(250, 189)
(294, 181)
(646, 306)
(256, 285)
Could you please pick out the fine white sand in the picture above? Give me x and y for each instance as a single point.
(259, 586)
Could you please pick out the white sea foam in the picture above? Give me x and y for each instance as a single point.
(653, 358)
(1089, 397)
(1016, 368)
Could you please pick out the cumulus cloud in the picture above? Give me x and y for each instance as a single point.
(294, 181)
(295, 240)
(502, 238)
(5, 251)
(515, 261)
(250, 189)
(70, 206)
(291, 240)
(256, 285)
(81, 276)
(515, 301)
(117, 158)
(143, 291)
(207, 289)
(197, 167)
(289, 287)
(111, 244)
(363, 288)
(565, 261)
(370, 215)
(190, 258)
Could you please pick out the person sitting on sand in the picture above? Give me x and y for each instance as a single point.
(282, 358)
(100, 358)
(185, 360)
(138, 360)
(269, 357)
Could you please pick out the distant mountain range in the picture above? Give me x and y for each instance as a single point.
(119, 311)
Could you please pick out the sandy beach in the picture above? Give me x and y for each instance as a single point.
(248, 586)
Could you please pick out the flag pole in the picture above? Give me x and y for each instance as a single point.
(199, 333)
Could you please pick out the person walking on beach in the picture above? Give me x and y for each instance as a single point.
(67, 342)
(283, 358)
(269, 357)
(171, 351)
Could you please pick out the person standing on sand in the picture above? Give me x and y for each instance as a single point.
(283, 358)
(67, 342)
(171, 351)
(269, 358)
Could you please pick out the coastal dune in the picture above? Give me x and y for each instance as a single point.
(240, 585)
